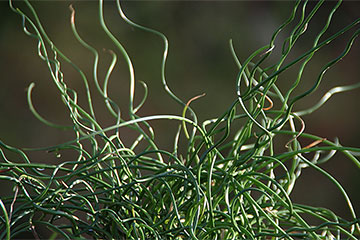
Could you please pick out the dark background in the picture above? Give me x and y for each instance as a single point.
(199, 61)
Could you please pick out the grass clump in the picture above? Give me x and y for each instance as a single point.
(218, 181)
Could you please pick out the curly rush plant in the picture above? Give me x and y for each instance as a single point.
(226, 183)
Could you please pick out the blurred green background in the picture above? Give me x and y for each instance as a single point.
(199, 61)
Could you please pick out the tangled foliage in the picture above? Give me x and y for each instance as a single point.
(226, 183)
